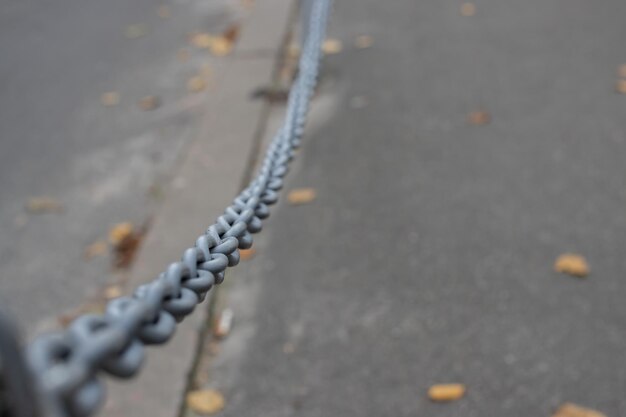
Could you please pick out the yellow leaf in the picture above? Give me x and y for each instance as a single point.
(207, 401)
(478, 118)
(112, 98)
(446, 392)
(220, 46)
(196, 84)
(164, 12)
(149, 103)
(38, 205)
(95, 249)
(301, 196)
(363, 41)
(247, 254)
(120, 232)
(468, 9)
(112, 291)
(573, 410)
(135, 31)
(331, 46)
(572, 264)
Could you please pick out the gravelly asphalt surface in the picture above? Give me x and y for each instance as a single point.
(58, 140)
(427, 256)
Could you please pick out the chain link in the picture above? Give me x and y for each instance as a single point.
(66, 364)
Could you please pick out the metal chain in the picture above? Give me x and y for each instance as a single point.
(65, 365)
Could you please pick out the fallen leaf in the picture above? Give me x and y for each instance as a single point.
(478, 118)
(112, 98)
(223, 324)
(207, 401)
(220, 46)
(183, 55)
(331, 46)
(164, 12)
(112, 291)
(95, 249)
(446, 392)
(217, 45)
(301, 196)
(119, 233)
(135, 31)
(468, 9)
(196, 84)
(293, 50)
(622, 71)
(38, 205)
(149, 103)
(621, 86)
(573, 410)
(572, 264)
(247, 254)
(363, 41)
(231, 34)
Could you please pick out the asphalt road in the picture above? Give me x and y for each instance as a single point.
(428, 255)
(58, 140)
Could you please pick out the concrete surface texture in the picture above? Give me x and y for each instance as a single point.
(428, 254)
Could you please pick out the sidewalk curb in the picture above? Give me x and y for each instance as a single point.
(208, 177)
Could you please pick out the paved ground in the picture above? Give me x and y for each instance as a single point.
(427, 256)
(58, 140)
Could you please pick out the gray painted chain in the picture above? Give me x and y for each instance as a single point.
(66, 364)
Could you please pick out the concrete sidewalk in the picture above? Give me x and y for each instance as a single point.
(427, 256)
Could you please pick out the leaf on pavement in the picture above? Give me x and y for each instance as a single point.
(95, 249)
(164, 12)
(112, 98)
(331, 46)
(149, 103)
(223, 324)
(112, 291)
(363, 41)
(196, 84)
(207, 401)
(247, 254)
(119, 233)
(573, 410)
(478, 118)
(572, 264)
(39, 205)
(218, 45)
(446, 392)
(301, 196)
(621, 86)
(468, 9)
(135, 31)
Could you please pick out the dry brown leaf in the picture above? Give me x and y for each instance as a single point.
(621, 86)
(196, 84)
(331, 46)
(135, 31)
(573, 410)
(478, 118)
(112, 291)
(572, 264)
(207, 401)
(149, 103)
(183, 55)
(112, 98)
(223, 324)
(164, 12)
(363, 41)
(468, 9)
(38, 205)
(446, 392)
(301, 196)
(231, 34)
(95, 249)
(247, 254)
(119, 233)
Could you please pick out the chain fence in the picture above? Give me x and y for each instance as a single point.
(59, 374)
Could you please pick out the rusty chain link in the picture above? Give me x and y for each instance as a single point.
(66, 365)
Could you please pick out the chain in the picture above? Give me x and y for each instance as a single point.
(66, 365)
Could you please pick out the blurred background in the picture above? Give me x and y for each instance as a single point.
(456, 214)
